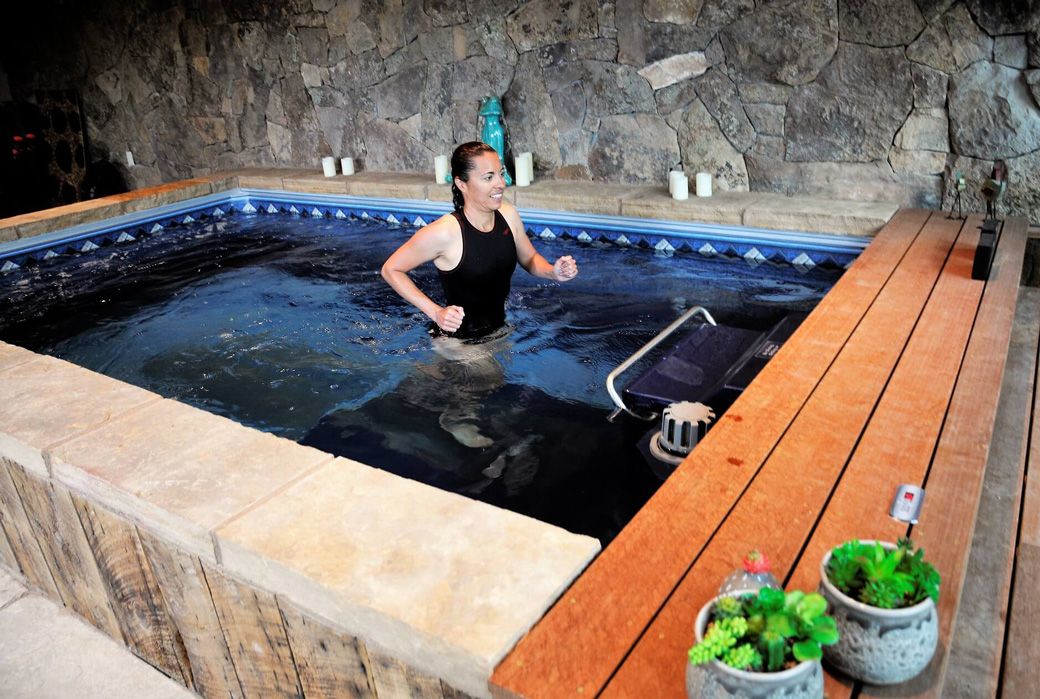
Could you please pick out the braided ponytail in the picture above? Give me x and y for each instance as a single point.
(462, 165)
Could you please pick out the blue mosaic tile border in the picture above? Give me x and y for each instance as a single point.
(802, 251)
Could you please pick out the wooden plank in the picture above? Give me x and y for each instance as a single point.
(897, 444)
(779, 509)
(1022, 653)
(20, 535)
(7, 557)
(1030, 524)
(577, 646)
(955, 477)
(329, 662)
(133, 591)
(190, 609)
(253, 629)
(58, 530)
(392, 678)
(973, 669)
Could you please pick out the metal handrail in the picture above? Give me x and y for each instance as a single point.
(639, 353)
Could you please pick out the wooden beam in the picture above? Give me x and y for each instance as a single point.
(133, 591)
(253, 629)
(329, 663)
(186, 597)
(58, 530)
(19, 534)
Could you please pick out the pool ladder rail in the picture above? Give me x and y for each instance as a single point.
(639, 354)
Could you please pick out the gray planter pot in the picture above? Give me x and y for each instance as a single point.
(716, 680)
(879, 646)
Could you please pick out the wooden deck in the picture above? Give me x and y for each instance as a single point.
(894, 378)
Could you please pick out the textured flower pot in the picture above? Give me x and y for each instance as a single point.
(879, 646)
(716, 680)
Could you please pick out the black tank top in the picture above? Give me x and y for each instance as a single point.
(480, 281)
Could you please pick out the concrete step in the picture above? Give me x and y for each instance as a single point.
(47, 652)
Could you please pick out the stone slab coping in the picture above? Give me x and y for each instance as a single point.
(755, 209)
(350, 543)
(439, 581)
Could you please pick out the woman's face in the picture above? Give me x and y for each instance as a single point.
(486, 182)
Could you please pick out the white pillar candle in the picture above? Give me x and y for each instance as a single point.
(703, 184)
(673, 175)
(346, 165)
(328, 166)
(681, 188)
(520, 168)
(527, 159)
(440, 169)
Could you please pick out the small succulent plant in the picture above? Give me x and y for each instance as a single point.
(766, 631)
(887, 579)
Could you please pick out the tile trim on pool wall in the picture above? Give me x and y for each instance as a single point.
(803, 251)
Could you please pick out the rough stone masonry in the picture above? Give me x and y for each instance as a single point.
(860, 100)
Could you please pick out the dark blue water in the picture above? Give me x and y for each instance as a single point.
(284, 324)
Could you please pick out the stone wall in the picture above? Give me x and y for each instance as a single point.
(866, 100)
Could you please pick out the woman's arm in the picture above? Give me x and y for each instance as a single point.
(428, 243)
(564, 269)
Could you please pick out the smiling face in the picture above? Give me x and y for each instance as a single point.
(486, 183)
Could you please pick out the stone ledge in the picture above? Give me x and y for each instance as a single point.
(180, 471)
(725, 208)
(757, 209)
(32, 420)
(442, 582)
(818, 215)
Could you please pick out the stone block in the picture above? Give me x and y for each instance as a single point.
(1011, 51)
(583, 197)
(925, 162)
(673, 69)
(724, 207)
(316, 183)
(391, 185)
(39, 222)
(440, 582)
(925, 129)
(815, 215)
(180, 471)
(13, 355)
(171, 193)
(47, 400)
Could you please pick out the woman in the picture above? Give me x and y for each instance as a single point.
(475, 248)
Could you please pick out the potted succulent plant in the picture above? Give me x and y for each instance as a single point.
(883, 597)
(763, 644)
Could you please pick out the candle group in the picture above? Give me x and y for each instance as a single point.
(328, 166)
(440, 169)
(523, 165)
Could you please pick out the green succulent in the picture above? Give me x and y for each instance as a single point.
(869, 573)
(771, 630)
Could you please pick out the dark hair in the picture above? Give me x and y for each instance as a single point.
(462, 165)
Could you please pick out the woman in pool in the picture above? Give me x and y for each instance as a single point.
(475, 248)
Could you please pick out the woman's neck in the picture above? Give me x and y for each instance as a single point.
(481, 219)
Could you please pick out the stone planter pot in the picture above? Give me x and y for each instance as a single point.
(879, 646)
(716, 680)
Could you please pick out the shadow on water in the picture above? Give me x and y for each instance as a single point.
(455, 423)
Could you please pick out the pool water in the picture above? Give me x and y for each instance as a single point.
(285, 324)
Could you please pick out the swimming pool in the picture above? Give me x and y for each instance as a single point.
(269, 309)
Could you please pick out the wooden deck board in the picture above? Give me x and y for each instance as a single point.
(898, 443)
(955, 477)
(793, 487)
(576, 647)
